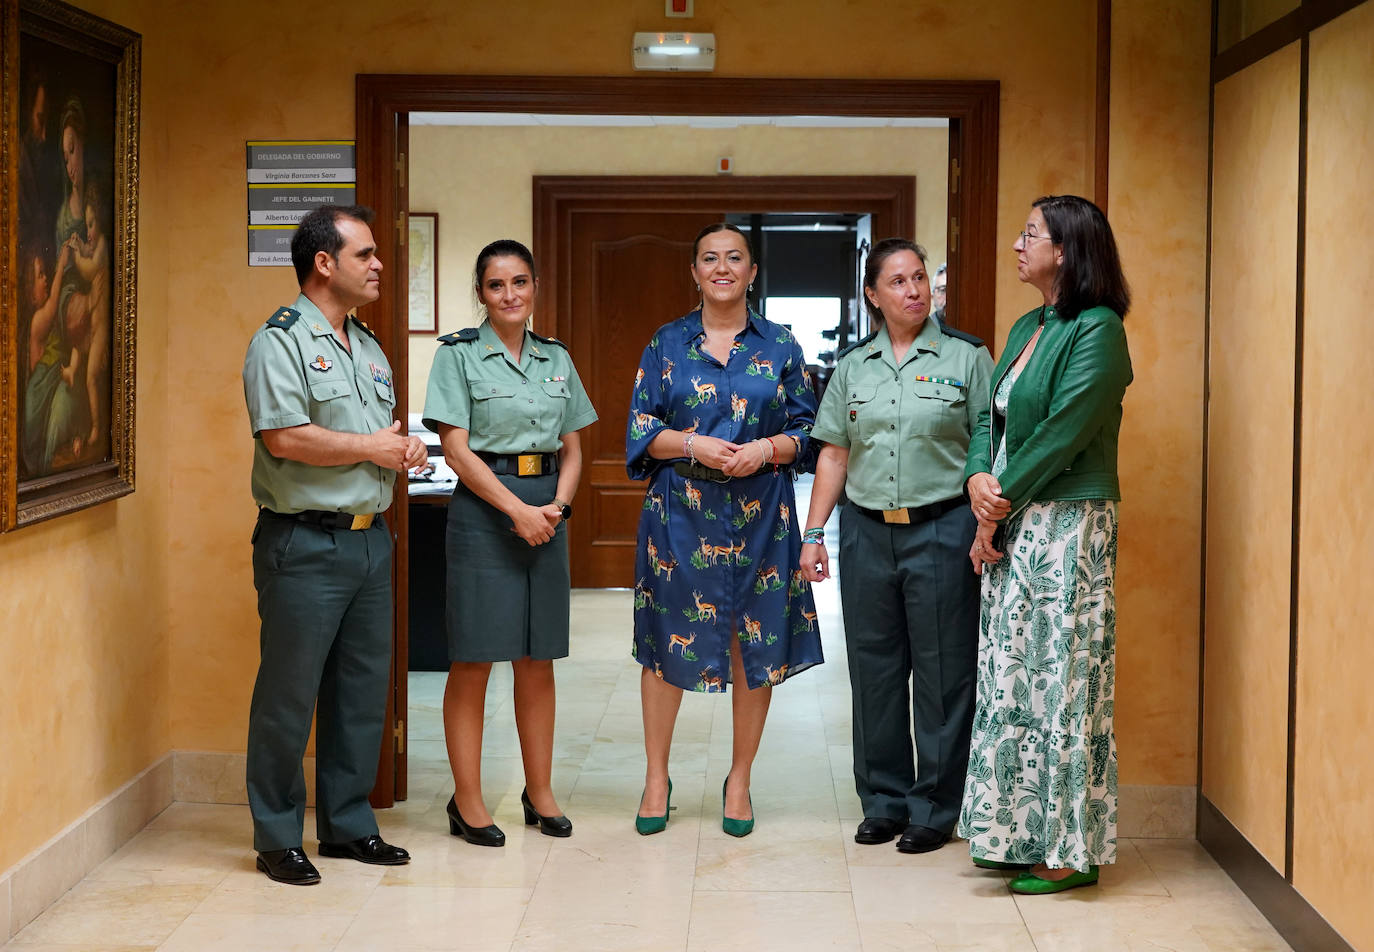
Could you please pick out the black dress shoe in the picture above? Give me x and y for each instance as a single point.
(548, 825)
(921, 839)
(288, 866)
(476, 835)
(877, 829)
(370, 849)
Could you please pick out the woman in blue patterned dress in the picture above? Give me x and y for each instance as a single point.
(720, 417)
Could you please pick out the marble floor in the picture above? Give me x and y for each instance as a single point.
(187, 882)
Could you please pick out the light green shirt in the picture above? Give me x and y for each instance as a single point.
(906, 426)
(297, 372)
(506, 407)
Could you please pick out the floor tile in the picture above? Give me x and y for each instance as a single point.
(231, 932)
(456, 918)
(114, 913)
(748, 921)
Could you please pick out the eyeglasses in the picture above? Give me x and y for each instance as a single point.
(1027, 236)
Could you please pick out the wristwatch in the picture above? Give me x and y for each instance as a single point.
(564, 509)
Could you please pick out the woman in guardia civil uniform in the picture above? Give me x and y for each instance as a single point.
(896, 422)
(719, 422)
(507, 405)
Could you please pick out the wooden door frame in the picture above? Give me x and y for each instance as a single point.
(891, 199)
(384, 101)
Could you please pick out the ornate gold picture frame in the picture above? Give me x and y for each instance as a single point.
(69, 285)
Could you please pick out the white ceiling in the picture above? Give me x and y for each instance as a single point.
(696, 122)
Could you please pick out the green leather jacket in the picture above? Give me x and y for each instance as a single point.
(1064, 415)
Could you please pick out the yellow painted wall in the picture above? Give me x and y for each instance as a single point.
(1334, 773)
(1250, 448)
(1156, 204)
(147, 605)
(478, 178)
(85, 693)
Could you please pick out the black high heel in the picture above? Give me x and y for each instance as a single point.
(548, 825)
(476, 835)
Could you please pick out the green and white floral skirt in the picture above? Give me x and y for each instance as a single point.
(1041, 781)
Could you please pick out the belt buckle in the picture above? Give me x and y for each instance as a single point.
(363, 521)
(900, 517)
(530, 464)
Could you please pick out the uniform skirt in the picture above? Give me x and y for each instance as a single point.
(506, 599)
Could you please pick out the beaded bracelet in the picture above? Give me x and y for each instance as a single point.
(687, 448)
(813, 537)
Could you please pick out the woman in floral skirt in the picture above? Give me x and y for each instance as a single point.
(1042, 480)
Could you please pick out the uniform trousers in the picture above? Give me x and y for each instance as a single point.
(324, 597)
(910, 602)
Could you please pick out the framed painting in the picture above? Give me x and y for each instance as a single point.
(422, 252)
(69, 292)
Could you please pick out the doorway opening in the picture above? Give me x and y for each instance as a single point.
(386, 105)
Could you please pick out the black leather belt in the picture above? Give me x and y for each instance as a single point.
(326, 519)
(694, 470)
(520, 464)
(913, 514)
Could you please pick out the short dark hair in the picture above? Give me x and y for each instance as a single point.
(1091, 274)
(716, 226)
(319, 231)
(873, 267)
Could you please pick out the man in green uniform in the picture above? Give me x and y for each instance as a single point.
(320, 399)
(897, 418)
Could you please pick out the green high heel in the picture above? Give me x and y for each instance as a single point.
(1032, 885)
(728, 823)
(645, 825)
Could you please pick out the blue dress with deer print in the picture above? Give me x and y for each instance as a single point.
(718, 560)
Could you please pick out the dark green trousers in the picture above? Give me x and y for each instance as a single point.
(324, 597)
(910, 603)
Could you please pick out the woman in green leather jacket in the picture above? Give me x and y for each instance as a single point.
(1041, 472)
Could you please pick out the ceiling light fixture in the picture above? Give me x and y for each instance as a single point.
(675, 51)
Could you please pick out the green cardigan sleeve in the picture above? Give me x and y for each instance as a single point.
(1086, 393)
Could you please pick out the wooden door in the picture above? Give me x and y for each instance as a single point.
(630, 273)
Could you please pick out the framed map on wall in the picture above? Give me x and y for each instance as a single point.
(422, 249)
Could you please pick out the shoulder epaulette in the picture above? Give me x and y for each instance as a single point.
(284, 318)
(960, 335)
(549, 340)
(467, 335)
(365, 329)
(857, 344)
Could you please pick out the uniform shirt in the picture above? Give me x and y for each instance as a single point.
(906, 427)
(506, 407)
(297, 372)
